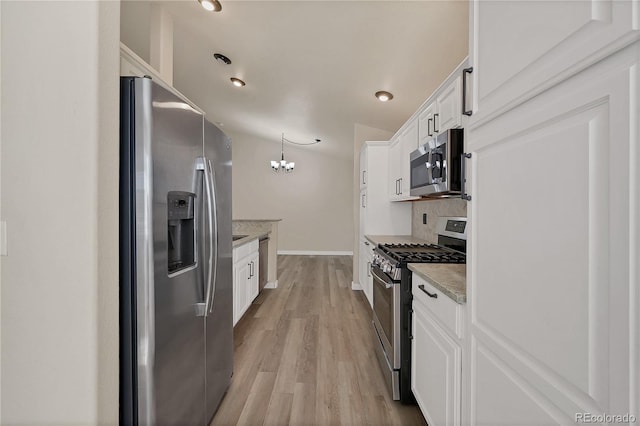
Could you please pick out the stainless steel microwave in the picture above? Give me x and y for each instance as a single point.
(436, 166)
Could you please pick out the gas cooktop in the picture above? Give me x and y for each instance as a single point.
(421, 253)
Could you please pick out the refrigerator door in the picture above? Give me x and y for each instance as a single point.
(168, 382)
(219, 321)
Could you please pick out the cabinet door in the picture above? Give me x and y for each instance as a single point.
(253, 287)
(409, 142)
(366, 279)
(425, 124)
(550, 252)
(240, 278)
(363, 168)
(368, 275)
(449, 101)
(510, 65)
(435, 371)
(394, 169)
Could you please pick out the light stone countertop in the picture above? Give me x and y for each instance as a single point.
(394, 239)
(257, 220)
(250, 236)
(450, 279)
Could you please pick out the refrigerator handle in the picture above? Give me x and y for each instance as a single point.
(203, 164)
(213, 242)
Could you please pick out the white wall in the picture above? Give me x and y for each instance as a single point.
(135, 27)
(314, 202)
(361, 134)
(59, 174)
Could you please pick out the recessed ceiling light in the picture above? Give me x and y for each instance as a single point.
(222, 59)
(237, 82)
(384, 96)
(211, 5)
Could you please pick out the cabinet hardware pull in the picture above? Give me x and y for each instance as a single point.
(400, 186)
(363, 203)
(364, 181)
(463, 176)
(464, 91)
(397, 193)
(409, 325)
(434, 295)
(366, 243)
(429, 132)
(435, 129)
(368, 269)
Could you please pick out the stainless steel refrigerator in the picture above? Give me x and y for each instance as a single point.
(176, 331)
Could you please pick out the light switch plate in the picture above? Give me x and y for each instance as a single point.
(3, 238)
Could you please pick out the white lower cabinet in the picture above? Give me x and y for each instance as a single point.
(245, 278)
(436, 355)
(366, 279)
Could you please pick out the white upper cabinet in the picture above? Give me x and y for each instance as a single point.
(449, 106)
(520, 48)
(363, 169)
(399, 151)
(378, 216)
(443, 110)
(425, 123)
(409, 142)
(394, 155)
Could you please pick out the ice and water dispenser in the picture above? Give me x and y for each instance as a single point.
(181, 235)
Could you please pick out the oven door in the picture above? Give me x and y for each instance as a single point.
(386, 314)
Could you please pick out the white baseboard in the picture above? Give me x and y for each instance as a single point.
(355, 286)
(271, 284)
(314, 253)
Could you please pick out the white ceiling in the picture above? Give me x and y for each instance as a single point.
(311, 67)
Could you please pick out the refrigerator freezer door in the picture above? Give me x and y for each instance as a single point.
(219, 322)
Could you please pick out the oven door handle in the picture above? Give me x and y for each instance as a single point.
(387, 284)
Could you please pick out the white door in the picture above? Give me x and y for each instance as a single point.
(520, 48)
(553, 285)
(435, 370)
(409, 141)
(254, 280)
(240, 278)
(449, 103)
(395, 152)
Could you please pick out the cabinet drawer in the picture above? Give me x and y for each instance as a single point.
(447, 312)
(245, 250)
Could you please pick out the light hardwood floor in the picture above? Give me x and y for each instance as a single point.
(304, 354)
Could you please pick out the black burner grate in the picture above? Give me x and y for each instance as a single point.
(422, 253)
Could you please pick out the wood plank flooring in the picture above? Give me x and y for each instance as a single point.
(304, 354)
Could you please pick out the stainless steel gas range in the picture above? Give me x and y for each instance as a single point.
(392, 298)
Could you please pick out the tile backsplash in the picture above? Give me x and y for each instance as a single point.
(434, 209)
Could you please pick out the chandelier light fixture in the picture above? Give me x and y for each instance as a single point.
(283, 165)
